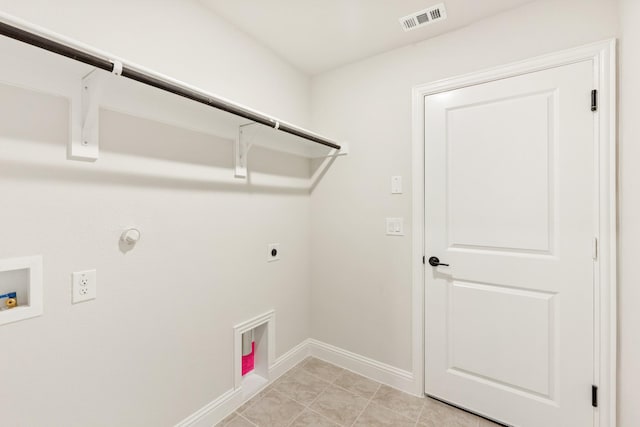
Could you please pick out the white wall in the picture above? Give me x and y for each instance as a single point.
(156, 345)
(629, 216)
(181, 39)
(361, 284)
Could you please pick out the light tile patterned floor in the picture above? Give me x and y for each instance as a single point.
(318, 394)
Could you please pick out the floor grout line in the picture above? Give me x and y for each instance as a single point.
(247, 419)
(308, 406)
(424, 407)
(305, 406)
(333, 383)
(323, 416)
(366, 406)
(327, 384)
(400, 413)
(273, 388)
(351, 392)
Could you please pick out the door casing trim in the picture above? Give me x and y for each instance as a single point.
(603, 55)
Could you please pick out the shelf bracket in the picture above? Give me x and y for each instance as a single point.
(242, 147)
(85, 106)
(84, 110)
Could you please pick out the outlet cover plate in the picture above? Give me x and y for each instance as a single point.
(83, 286)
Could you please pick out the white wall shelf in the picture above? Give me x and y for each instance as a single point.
(134, 90)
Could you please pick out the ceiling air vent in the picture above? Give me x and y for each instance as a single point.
(424, 17)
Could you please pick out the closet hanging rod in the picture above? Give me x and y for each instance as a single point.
(99, 60)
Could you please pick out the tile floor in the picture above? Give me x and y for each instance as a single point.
(318, 394)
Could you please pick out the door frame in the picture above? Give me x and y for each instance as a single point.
(603, 55)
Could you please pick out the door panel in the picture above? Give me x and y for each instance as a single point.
(510, 206)
(514, 214)
(517, 322)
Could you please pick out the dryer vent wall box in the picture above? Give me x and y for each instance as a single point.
(273, 252)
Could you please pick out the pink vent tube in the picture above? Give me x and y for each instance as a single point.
(248, 352)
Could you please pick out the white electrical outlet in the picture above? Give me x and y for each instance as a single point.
(273, 252)
(84, 286)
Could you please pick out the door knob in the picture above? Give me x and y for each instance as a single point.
(434, 262)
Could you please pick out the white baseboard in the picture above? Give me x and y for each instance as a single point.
(378, 371)
(220, 408)
(288, 360)
(215, 411)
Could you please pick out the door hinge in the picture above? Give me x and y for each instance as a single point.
(594, 396)
(594, 100)
(595, 249)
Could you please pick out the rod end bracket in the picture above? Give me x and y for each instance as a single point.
(117, 67)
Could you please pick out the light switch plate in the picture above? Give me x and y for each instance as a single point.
(396, 185)
(395, 226)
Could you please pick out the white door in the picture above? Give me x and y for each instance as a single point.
(510, 206)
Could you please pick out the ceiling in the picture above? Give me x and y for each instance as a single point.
(318, 35)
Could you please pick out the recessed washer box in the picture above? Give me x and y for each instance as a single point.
(24, 277)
